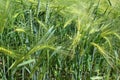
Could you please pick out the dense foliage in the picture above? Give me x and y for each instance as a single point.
(59, 39)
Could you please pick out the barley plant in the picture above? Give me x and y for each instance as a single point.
(59, 40)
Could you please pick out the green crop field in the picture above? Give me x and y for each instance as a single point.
(59, 39)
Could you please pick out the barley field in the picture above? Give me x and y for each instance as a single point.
(59, 39)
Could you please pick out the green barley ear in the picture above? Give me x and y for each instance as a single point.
(9, 53)
(109, 58)
(19, 30)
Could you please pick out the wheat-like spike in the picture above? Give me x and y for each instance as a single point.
(104, 53)
(8, 52)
